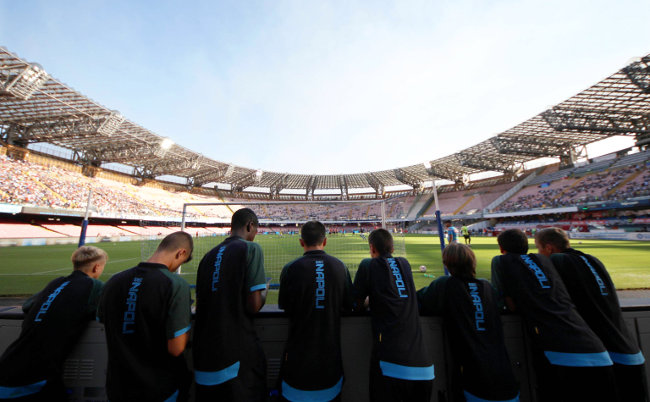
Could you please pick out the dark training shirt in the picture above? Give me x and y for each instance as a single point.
(142, 308)
(54, 320)
(475, 334)
(594, 295)
(314, 291)
(541, 298)
(397, 335)
(224, 335)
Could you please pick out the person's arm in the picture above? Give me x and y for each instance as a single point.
(178, 316)
(284, 299)
(176, 345)
(362, 285)
(255, 278)
(348, 298)
(497, 283)
(29, 303)
(431, 298)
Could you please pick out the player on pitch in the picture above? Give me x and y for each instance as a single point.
(229, 362)
(452, 233)
(594, 295)
(401, 368)
(32, 366)
(571, 363)
(315, 290)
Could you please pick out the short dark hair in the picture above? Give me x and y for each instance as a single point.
(382, 241)
(313, 233)
(554, 236)
(513, 241)
(243, 217)
(460, 260)
(176, 240)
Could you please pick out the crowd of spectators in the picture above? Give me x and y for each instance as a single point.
(607, 185)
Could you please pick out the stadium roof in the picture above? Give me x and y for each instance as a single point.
(36, 108)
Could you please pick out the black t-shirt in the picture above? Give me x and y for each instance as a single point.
(475, 334)
(314, 291)
(54, 320)
(594, 295)
(397, 334)
(142, 308)
(541, 298)
(224, 335)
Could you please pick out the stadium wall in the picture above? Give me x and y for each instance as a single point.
(84, 371)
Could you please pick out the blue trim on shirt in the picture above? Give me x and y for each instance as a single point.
(17, 392)
(406, 372)
(321, 395)
(182, 331)
(216, 377)
(173, 397)
(473, 398)
(579, 359)
(627, 359)
(258, 287)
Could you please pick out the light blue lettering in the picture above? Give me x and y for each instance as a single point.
(539, 274)
(479, 314)
(217, 268)
(320, 285)
(128, 323)
(601, 283)
(48, 303)
(399, 282)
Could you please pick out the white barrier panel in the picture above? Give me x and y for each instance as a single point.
(639, 236)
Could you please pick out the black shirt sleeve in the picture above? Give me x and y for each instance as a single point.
(431, 298)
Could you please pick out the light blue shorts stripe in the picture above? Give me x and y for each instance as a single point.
(24, 390)
(182, 331)
(406, 372)
(473, 398)
(321, 395)
(627, 359)
(216, 377)
(579, 359)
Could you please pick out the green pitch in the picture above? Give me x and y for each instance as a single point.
(25, 270)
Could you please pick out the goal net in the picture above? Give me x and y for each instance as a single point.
(348, 225)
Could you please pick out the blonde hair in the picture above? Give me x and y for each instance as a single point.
(85, 256)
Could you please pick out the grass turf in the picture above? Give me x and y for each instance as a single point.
(25, 270)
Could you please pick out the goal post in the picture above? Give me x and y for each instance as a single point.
(348, 224)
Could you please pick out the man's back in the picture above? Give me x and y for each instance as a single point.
(314, 291)
(142, 308)
(543, 301)
(55, 319)
(594, 295)
(475, 333)
(396, 326)
(224, 335)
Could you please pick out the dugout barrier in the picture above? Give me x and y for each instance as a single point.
(85, 369)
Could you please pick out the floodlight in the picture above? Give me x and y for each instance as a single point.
(166, 143)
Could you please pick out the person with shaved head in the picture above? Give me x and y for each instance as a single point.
(146, 314)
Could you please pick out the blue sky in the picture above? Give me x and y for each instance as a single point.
(327, 86)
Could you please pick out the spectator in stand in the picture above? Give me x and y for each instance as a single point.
(594, 295)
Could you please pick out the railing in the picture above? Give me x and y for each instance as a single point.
(84, 371)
